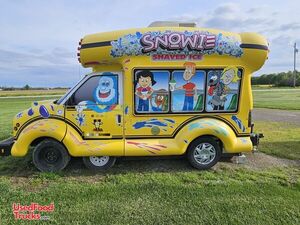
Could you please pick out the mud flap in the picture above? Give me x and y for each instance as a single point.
(5, 146)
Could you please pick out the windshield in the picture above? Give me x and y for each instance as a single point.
(70, 91)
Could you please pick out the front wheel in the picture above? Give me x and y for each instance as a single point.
(50, 156)
(99, 163)
(204, 153)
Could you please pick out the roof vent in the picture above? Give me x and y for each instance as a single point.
(172, 24)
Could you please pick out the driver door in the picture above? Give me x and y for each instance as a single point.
(95, 110)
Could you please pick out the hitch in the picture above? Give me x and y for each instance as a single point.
(255, 140)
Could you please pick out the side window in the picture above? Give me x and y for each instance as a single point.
(151, 91)
(100, 90)
(187, 89)
(223, 89)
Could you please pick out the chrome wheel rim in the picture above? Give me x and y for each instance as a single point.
(204, 153)
(99, 161)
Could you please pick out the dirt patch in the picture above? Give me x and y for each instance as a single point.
(77, 173)
(29, 183)
(259, 160)
(276, 115)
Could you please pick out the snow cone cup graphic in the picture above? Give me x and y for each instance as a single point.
(172, 84)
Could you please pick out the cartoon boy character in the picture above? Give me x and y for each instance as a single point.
(190, 89)
(144, 90)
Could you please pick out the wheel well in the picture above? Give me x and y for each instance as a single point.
(40, 139)
(208, 136)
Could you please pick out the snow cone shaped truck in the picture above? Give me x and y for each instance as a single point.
(168, 89)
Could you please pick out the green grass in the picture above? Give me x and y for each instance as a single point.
(9, 107)
(267, 86)
(281, 139)
(32, 92)
(127, 195)
(277, 98)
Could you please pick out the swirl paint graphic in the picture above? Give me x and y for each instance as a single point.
(239, 123)
(30, 112)
(44, 112)
(153, 122)
(153, 149)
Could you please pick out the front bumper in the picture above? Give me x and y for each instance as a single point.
(5, 146)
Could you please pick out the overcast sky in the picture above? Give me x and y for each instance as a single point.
(39, 39)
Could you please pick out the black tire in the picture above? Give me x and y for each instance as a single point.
(99, 163)
(50, 156)
(204, 153)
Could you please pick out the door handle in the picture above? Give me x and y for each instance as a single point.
(119, 119)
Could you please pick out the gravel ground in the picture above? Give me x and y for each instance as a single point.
(276, 115)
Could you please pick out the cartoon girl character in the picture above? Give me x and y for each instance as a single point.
(144, 90)
(190, 89)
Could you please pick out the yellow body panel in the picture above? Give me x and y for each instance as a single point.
(51, 128)
(79, 147)
(122, 131)
(191, 131)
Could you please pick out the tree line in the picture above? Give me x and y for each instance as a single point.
(283, 79)
(277, 79)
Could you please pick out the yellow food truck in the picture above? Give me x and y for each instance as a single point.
(163, 90)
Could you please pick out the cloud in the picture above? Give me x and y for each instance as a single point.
(20, 60)
(43, 76)
(226, 9)
(39, 38)
(290, 26)
(43, 68)
(280, 28)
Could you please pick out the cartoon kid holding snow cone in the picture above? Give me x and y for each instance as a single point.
(144, 90)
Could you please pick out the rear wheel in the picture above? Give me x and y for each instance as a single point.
(50, 156)
(204, 153)
(99, 163)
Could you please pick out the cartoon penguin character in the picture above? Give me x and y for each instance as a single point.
(217, 90)
(105, 94)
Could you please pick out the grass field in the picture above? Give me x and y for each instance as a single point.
(264, 96)
(32, 92)
(267, 86)
(277, 98)
(176, 196)
(157, 191)
(281, 139)
(9, 107)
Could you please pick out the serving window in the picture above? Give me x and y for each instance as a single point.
(186, 91)
(151, 91)
(187, 94)
(222, 90)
